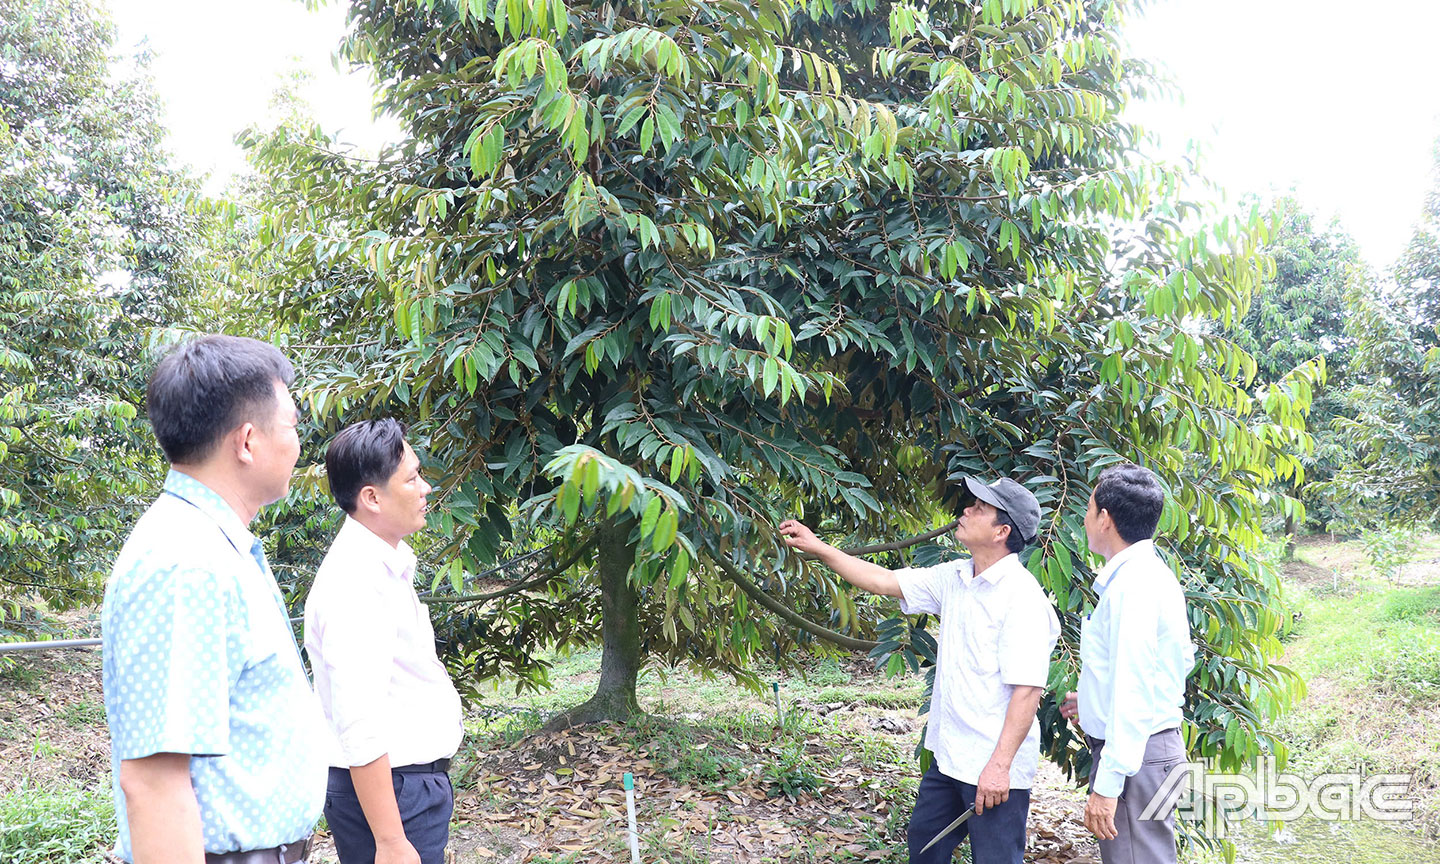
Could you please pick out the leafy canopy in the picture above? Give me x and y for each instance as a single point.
(1299, 318)
(689, 267)
(1393, 417)
(94, 254)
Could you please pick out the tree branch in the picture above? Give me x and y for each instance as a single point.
(754, 593)
(32, 585)
(518, 587)
(46, 450)
(900, 544)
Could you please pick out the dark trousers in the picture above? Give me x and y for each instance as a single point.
(997, 836)
(425, 801)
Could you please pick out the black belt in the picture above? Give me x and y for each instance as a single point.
(439, 766)
(285, 853)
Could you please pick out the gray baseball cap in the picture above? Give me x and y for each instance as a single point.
(1017, 501)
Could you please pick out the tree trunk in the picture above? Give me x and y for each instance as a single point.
(620, 661)
(1289, 538)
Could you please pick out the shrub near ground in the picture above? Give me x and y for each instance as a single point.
(55, 798)
(52, 824)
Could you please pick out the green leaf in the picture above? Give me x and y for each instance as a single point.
(647, 133)
(651, 516)
(677, 463)
(679, 568)
(569, 502)
(665, 530)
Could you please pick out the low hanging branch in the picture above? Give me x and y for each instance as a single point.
(518, 587)
(754, 593)
(901, 544)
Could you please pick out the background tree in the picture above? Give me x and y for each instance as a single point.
(1393, 418)
(1417, 272)
(1296, 316)
(95, 253)
(646, 277)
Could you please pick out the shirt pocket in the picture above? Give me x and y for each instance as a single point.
(1092, 652)
(267, 631)
(982, 640)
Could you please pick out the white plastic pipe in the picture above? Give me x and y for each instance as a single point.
(49, 645)
(630, 810)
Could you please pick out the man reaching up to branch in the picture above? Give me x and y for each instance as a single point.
(997, 632)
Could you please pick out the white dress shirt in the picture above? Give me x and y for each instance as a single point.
(1135, 653)
(372, 652)
(996, 633)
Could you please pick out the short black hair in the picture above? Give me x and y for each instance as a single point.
(363, 454)
(1014, 542)
(1134, 498)
(208, 386)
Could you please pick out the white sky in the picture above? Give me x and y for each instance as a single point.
(217, 64)
(1336, 98)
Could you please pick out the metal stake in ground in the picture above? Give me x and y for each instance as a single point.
(779, 715)
(630, 810)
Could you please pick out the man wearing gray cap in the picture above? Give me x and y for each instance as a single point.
(997, 630)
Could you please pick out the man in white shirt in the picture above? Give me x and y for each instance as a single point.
(390, 703)
(997, 630)
(1135, 653)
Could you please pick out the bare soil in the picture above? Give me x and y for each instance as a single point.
(558, 797)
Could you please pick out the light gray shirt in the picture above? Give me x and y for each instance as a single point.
(997, 631)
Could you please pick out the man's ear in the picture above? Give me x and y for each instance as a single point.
(1001, 538)
(238, 442)
(368, 499)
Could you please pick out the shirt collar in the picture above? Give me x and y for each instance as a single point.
(1134, 550)
(399, 560)
(1000, 569)
(209, 502)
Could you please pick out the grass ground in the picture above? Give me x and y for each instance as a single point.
(719, 779)
(1369, 650)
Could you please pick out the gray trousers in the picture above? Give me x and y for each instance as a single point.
(1143, 841)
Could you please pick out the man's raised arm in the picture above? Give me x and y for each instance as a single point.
(858, 572)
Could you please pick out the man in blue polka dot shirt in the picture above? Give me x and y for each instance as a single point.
(216, 737)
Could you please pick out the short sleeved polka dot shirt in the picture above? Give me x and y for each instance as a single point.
(199, 658)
